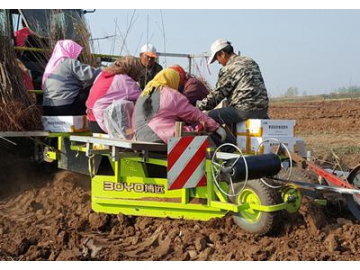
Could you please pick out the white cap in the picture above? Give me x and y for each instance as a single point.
(149, 50)
(217, 46)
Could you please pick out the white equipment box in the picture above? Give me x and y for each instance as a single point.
(65, 123)
(266, 128)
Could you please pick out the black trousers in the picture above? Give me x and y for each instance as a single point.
(78, 107)
(94, 127)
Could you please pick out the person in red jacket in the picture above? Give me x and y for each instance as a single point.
(116, 82)
(190, 86)
(21, 36)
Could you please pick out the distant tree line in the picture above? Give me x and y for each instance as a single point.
(343, 92)
(349, 90)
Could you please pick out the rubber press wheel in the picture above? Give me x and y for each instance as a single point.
(354, 177)
(353, 201)
(254, 221)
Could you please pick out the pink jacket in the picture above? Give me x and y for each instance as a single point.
(174, 107)
(106, 89)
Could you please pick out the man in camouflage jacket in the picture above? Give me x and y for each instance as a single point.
(240, 82)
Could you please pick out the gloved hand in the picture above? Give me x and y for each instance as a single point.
(222, 133)
(199, 128)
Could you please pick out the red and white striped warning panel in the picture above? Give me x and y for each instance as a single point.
(186, 162)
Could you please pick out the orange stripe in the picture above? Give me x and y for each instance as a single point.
(248, 145)
(84, 125)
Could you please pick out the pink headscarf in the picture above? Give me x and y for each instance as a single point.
(63, 49)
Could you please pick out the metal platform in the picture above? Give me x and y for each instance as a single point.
(127, 144)
(8, 134)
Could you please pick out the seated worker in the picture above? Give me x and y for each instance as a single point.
(147, 60)
(116, 82)
(190, 86)
(241, 83)
(66, 81)
(161, 105)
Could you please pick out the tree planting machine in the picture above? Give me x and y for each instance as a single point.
(190, 179)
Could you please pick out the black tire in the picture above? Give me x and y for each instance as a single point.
(266, 222)
(354, 201)
(354, 177)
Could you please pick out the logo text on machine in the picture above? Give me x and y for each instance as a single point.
(136, 187)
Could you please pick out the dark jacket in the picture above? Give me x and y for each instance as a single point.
(194, 90)
(149, 75)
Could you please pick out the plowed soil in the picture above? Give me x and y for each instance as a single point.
(48, 216)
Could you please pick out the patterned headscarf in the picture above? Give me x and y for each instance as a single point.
(166, 77)
(62, 50)
(127, 65)
(181, 72)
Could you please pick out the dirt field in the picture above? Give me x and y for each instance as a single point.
(47, 216)
(328, 127)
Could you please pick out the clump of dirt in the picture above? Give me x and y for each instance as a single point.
(43, 217)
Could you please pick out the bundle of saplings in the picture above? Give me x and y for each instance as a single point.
(18, 109)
